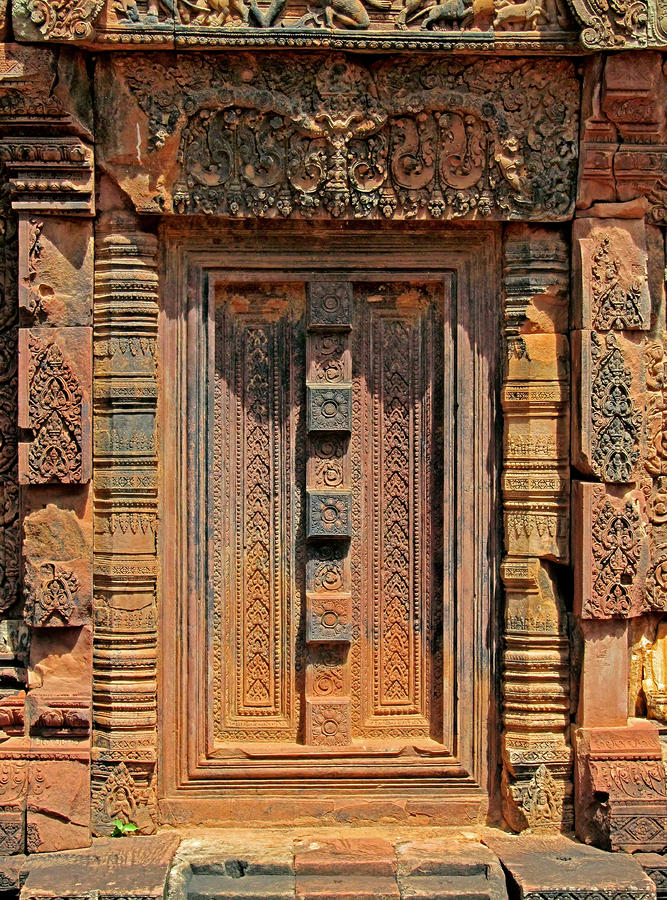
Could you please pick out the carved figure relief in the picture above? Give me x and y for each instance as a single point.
(55, 409)
(616, 421)
(617, 292)
(396, 139)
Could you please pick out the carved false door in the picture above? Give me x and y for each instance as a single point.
(331, 483)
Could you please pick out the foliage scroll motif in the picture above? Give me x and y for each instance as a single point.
(616, 422)
(394, 139)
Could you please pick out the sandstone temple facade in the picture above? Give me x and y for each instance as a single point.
(333, 417)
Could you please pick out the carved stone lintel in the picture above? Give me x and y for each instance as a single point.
(341, 164)
(612, 553)
(620, 787)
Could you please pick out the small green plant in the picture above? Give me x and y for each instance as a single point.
(122, 829)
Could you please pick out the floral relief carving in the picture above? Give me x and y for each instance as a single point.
(395, 139)
(55, 415)
(617, 293)
(615, 419)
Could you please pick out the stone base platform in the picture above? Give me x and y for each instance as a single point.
(333, 864)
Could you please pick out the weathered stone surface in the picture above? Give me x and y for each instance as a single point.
(247, 887)
(160, 165)
(11, 868)
(546, 868)
(655, 867)
(115, 868)
(13, 793)
(537, 758)
(55, 270)
(346, 887)
(620, 787)
(58, 808)
(344, 856)
(611, 552)
(623, 139)
(55, 387)
(57, 550)
(434, 868)
(610, 275)
(604, 673)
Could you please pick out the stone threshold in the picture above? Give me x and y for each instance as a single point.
(350, 863)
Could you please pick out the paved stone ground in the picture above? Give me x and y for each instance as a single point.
(381, 863)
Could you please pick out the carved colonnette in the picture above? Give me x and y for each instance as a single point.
(125, 597)
(537, 757)
(47, 175)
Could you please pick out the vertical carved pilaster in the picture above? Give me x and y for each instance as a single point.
(329, 515)
(125, 567)
(536, 755)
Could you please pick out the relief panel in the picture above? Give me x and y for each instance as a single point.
(259, 390)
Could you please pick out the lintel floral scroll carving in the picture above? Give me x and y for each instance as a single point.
(401, 138)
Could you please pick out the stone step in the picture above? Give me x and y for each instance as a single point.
(450, 887)
(249, 887)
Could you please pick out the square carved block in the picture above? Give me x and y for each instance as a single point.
(328, 723)
(328, 617)
(329, 304)
(330, 514)
(329, 409)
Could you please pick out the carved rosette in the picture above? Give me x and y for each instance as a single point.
(125, 565)
(329, 513)
(537, 758)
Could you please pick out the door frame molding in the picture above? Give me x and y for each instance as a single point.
(193, 786)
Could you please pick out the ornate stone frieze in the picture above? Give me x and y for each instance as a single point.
(125, 565)
(368, 24)
(612, 26)
(612, 553)
(620, 787)
(398, 138)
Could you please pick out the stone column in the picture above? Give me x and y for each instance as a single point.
(537, 789)
(124, 669)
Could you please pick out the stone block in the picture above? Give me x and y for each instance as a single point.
(329, 514)
(329, 304)
(55, 270)
(328, 722)
(610, 552)
(55, 383)
(58, 811)
(610, 278)
(112, 868)
(348, 856)
(13, 794)
(607, 421)
(448, 869)
(620, 787)
(12, 715)
(557, 867)
(603, 684)
(61, 661)
(329, 408)
(59, 717)
(543, 357)
(346, 887)
(11, 872)
(247, 887)
(328, 616)
(655, 867)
